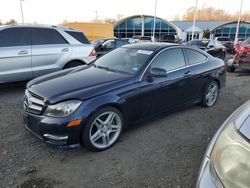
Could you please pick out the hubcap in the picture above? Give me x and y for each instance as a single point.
(105, 129)
(212, 94)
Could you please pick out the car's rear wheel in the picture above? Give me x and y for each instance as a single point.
(103, 129)
(230, 69)
(72, 64)
(210, 94)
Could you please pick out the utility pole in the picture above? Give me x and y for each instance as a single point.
(195, 10)
(238, 24)
(21, 6)
(154, 21)
(96, 15)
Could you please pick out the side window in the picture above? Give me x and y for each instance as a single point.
(195, 57)
(43, 36)
(211, 44)
(15, 37)
(218, 44)
(169, 60)
(79, 36)
(110, 44)
(120, 43)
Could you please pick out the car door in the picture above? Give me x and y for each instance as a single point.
(163, 93)
(197, 62)
(15, 54)
(49, 51)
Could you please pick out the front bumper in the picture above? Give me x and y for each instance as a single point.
(208, 177)
(240, 60)
(53, 131)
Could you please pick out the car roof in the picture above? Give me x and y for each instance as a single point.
(104, 39)
(40, 26)
(150, 46)
(202, 39)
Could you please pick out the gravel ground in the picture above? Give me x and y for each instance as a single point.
(164, 152)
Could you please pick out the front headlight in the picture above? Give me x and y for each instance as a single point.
(230, 158)
(62, 109)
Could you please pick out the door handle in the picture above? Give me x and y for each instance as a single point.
(187, 74)
(65, 50)
(23, 52)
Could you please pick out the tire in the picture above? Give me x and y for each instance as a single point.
(99, 135)
(223, 55)
(72, 64)
(230, 69)
(210, 94)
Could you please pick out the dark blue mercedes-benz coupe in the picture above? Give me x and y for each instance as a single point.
(92, 104)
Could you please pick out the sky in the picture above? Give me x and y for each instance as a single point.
(56, 11)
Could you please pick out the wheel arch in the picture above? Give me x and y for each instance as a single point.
(105, 101)
(99, 107)
(74, 60)
(118, 106)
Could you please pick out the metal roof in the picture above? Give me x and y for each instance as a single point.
(202, 25)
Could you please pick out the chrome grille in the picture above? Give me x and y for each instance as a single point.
(33, 103)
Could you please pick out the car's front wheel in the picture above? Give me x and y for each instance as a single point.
(210, 94)
(230, 69)
(223, 55)
(103, 129)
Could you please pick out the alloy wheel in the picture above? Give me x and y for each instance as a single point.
(105, 130)
(212, 94)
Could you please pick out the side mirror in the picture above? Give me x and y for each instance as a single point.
(210, 46)
(157, 72)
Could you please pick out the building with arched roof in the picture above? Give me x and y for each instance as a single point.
(142, 25)
(229, 30)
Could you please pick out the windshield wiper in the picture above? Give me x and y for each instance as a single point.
(112, 70)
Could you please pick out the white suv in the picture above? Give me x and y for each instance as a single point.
(28, 51)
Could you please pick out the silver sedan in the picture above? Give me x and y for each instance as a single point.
(226, 162)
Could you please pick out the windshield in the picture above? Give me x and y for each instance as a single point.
(201, 43)
(96, 42)
(223, 39)
(124, 60)
(246, 42)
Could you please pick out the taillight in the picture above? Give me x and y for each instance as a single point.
(93, 53)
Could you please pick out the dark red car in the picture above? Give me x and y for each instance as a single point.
(241, 57)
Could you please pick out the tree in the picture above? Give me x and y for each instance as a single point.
(12, 21)
(211, 14)
(206, 34)
(108, 20)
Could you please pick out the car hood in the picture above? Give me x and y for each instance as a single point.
(77, 83)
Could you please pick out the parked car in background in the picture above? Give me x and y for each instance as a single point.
(226, 162)
(241, 58)
(213, 47)
(103, 46)
(170, 39)
(92, 104)
(227, 42)
(240, 40)
(28, 51)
